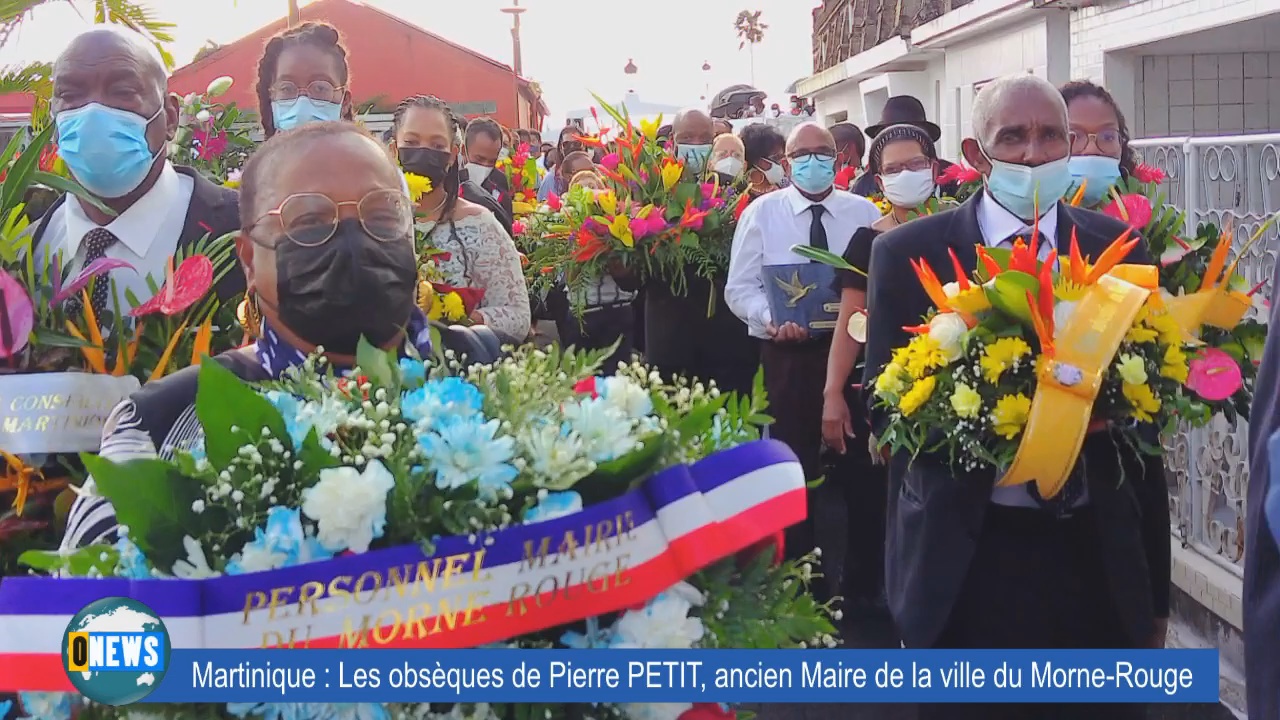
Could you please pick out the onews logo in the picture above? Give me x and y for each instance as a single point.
(115, 651)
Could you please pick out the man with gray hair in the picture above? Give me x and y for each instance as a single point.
(970, 565)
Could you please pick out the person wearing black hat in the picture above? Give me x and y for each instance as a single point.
(901, 110)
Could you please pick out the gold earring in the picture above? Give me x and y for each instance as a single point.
(249, 316)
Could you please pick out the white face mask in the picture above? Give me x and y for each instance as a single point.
(478, 173)
(775, 174)
(729, 166)
(909, 188)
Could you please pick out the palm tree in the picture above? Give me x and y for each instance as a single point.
(750, 31)
(36, 78)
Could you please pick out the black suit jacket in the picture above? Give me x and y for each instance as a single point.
(474, 193)
(214, 211)
(936, 512)
(493, 184)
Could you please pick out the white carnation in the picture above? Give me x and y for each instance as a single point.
(949, 330)
(349, 506)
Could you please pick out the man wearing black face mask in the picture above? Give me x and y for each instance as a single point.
(109, 93)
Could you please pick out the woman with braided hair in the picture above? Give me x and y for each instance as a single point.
(303, 77)
(481, 255)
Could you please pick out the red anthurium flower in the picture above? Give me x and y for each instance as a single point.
(708, 711)
(1148, 174)
(845, 177)
(183, 288)
(586, 386)
(959, 174)
(1132, 209)
(17, 315)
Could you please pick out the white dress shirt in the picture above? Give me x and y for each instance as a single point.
(766, 231)
(999, 227)
(148, 234)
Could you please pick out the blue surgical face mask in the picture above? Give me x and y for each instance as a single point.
(813, 174)
(106, 148)
(289, 114)
(694, 156)
(1019, 188)
(1096, 172)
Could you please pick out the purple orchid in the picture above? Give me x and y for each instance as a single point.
(17, 318)
(101, 266)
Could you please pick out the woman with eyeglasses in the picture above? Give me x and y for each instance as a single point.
(326, 244)
(1100, 152)
(302, 78)
(481, 254)
(904, 161)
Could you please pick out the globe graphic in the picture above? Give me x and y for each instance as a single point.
(116, 614)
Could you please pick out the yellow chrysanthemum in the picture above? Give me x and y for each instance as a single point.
(1174, 366)
(900, 355)
(924, 354)
(1144, 401)
(233, 184)
(883, 205)
(1066, 290)
(966, 401)
(1010, 415)
(890, 382)
(917, 396)
(1169, 329)
(418, 185)
(454, 308)
(1000, 356)
(1132, 369)
(1141, 334)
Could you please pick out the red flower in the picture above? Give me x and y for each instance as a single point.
(1148, 174)
(48, 157)
(517, 228)
(553, 202)
(708, 711)
(778, 540)
(845, 177)
(611, 161)
(743, 200)
(212, 145)
(590, 246)
(183, 288)
(959, 174)
(586, 386)
(1135, 210)
(692, 219)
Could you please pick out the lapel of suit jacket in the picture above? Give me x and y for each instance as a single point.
(209, 212)
(964, 234)
(1091, 244)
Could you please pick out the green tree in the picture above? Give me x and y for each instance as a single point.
(750, 31)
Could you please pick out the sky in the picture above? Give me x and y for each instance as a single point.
(571, 47)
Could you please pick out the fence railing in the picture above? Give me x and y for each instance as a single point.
(1227, 181)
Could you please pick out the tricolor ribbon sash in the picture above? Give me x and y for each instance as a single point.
(58, 412)
(470, 591)
(1068, 384)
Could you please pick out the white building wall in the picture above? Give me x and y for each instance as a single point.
(1208, 94)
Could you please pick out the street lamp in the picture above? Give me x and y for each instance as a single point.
(515, 11)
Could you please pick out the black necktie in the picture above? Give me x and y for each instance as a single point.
(817, 233)
(95, 244)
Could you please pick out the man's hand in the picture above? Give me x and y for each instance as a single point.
(789, 332)
(836, 421)
(1160, 634)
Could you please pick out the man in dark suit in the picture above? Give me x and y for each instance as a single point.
(483, 148)
(969, 565)
(110, 83)
(1262, 562)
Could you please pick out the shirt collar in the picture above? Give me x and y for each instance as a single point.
(998, 224)
(801, 204)
(137, 226)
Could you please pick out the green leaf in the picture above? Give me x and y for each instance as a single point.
(52, 338)
(826, 257)
(61, 184)
(314, 457)
(81, 563)
(1008, 293)
(224, 401)
(18, 177)
(153, 500)
(379, 365)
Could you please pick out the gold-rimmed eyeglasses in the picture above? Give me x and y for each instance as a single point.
(316, 90)
(1108, 142)
(311, 219)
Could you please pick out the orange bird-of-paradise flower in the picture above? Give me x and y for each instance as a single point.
(95, 356)
(740, 206)
(589, 246)
(1218, 260)
(1077, 268)
(1042, 326)
(204, 339)
(1023, 258)
(929, 281)
(1079, 196)
(961, 279)
(692, 218)
(162, 365)
(1112, 256)
(1046, 289)
(988, 262)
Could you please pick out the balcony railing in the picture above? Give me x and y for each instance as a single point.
(1228, 181)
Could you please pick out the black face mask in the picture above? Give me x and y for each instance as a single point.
(351, 286)
(430, 163)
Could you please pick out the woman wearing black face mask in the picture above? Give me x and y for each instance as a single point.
(481, 254)
(326, 243)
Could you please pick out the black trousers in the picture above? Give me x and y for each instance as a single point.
(1035, 582)
(598, 329)
(866, 496)
(680, 339)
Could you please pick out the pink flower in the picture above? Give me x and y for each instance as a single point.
(959, 174)
(1134, 210)
(553, 202)
(1215, 375)
(517, 228)
(708, 191)
(1148, 174)
(610, 161)
(656, 222)
(639, 227)
(211, 145)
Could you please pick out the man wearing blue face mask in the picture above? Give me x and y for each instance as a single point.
(114, 119)
(694, 133)
(961, 553)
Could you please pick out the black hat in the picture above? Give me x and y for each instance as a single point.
(904, 109)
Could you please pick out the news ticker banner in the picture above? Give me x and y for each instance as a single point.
(738, 676)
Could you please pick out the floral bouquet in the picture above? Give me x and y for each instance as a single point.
(213, 137)
(528, 504)
(654, 221)
(440, 300)
(523, 175)
(1022, 359)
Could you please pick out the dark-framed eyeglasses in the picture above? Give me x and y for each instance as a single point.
(311, 219)
(316, 90)
(806, 155)
(916, 164)
(1109, 142)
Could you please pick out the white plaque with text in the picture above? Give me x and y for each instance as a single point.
(58, 412)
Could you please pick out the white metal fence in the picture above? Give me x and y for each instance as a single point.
(1228, 181)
